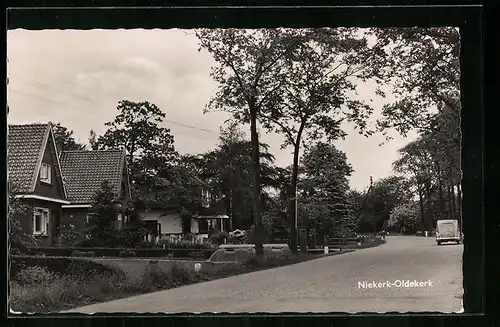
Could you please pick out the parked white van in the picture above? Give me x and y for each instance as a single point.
(448, 231)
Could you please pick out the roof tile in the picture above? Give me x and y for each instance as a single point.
(84, 171)
(24, 145)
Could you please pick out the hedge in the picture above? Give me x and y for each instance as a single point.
(61, 265)
(115, 252)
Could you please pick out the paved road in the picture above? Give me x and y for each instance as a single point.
(330, 284)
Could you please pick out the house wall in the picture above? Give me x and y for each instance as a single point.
(54, 189)
(54, 222)
(194, 226)
(75, 216)
(171, 223)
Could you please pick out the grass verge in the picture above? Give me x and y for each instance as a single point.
(38, 289)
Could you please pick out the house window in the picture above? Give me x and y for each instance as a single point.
(45, 173)
(41, 221)
(203, 227)
(205, 198)
(88, 218)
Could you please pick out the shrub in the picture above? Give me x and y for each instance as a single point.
(153, 277)
(36, 275)
(236, 239)
(127, 254)
(17, 211)
(184, 244)
(93, 243)
(42, 298)
(196, 254)
(68, 235)
(66, 292)
(62, 266)
(218, 238)
(180, 275)
(132, 236)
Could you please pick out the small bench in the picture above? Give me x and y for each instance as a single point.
(340, 243)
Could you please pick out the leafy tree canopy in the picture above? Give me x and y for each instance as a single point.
(65, 140)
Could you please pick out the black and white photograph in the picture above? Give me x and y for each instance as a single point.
(228, 170)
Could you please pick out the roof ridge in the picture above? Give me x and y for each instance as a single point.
(86, 151)
(30, 124)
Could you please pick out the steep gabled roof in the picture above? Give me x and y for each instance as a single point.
(26, 146)
(84, 171)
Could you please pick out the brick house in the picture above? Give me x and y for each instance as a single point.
(84, 172)
(34, 173)
(60, 187)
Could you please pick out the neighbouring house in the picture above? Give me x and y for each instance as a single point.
(35, 177)
(84, 171)
(167, 219)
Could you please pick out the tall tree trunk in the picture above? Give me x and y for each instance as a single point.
(453, 202)
(231, 209)
(259, 247)
(429, 206)
(449, 190)
(421, 204)
(293, 192)
(440, 189)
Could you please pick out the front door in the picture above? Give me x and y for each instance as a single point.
(186, 225)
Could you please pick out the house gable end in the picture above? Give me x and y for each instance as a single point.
(41, 152)
(54, 188)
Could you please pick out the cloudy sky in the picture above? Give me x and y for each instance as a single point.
(77, 77)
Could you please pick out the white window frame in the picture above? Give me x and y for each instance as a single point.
(45, 221)
(205, 197)
(87, 218)
(46, 169)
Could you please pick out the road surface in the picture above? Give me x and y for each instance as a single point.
(330, 284)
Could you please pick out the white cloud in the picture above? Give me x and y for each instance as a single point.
(81, 75)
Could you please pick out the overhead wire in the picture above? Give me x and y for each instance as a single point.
(50, 88)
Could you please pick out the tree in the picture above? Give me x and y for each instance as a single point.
(245, 71)
(416, 161)
(422, 66)
(228, 171)
(93, 140)
(317, 94)
(433, 160)
(103, 215)
(251, 72)
(324, 191)
(68, 234)
(19, 239)
(404, 216)
(134, 230)
(383, 197)
(65, 140)
(150, 148)
(357, 201)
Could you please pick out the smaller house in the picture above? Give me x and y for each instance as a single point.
(35, 177)
(165, 216)
(84, 172)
